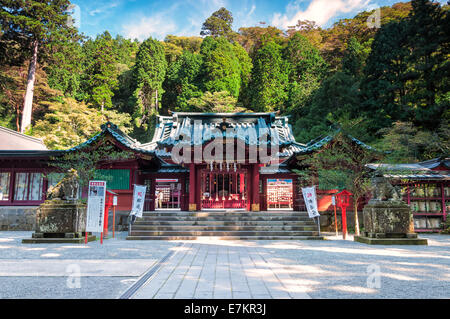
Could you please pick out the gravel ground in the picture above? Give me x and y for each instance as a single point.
(327, 269)
(347, 269)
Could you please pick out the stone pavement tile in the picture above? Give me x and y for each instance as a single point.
(241, 295)
(261, 296)
(203, 295)
(189, 283)
(154, 284)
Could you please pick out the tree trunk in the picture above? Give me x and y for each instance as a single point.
(28, 100)
(355, 209)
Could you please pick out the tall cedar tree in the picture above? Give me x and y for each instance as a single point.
(267, 89)
(32, 25)
(101, 72)
(149, 73)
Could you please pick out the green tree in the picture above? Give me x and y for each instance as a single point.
(86, 161)
(336, 99)
(427, 34)
(269, 78)
(217, 102)
(68, 123)
(221, 66)
(149, 72)
(31, 25)
(341, 163)
(307, 70)
(182, 82)
(219, 24)
(385, 84)
(100, 78)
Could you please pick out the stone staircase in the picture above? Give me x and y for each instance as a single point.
(180, 225)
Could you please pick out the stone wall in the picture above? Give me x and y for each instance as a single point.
(17, 217)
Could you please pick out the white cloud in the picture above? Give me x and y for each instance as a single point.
(320, 11)
(103, 8)
(158, 26)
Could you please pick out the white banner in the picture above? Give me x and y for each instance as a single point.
(309, 195)
(96, 206)
(138, 200)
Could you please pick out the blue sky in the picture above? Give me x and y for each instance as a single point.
(157, 18)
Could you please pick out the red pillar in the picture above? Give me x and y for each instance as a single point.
(255, 188)
(192, 203)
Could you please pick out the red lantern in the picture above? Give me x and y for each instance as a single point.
(343, 201)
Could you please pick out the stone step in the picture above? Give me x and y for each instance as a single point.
(223, 218)
(225, 213)
(222, 228)
(223, 223)
(223, 233)
(287, 237)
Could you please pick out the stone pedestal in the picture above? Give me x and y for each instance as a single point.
(60, 221)
(388, 223)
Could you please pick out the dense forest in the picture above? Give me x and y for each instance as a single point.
(386, 84)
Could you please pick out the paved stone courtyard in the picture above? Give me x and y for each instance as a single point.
(212, 268)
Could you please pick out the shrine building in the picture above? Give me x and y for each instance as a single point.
(194, 162)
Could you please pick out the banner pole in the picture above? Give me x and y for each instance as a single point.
(114, 219)
(318, 224)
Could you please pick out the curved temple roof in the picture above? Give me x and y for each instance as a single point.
(199, 128)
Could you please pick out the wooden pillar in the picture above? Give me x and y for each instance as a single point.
(198, 188)
(295, 193)
(255, 188)
(192, 188)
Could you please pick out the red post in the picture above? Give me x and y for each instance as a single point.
(101, 238)
(335, 220)
(343, 200)
(344, 222)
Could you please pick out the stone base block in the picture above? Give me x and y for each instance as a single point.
(391, 241)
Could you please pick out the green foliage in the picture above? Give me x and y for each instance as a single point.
(182, 82)
(69, 123)
(335, 100)
(149, 73)
(217, 102)
(407, 144)
(221, 70)
(100, 77)
(85, 161)
(218, 24)
(267, 88)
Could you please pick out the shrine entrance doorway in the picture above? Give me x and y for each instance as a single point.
(224, 189)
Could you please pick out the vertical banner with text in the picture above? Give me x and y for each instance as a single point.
(96, 206)
(138, 200)
(309, 195)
